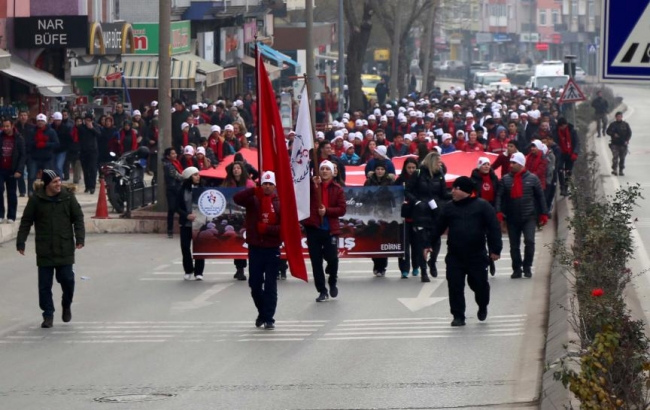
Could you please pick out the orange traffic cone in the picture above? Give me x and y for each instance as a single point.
(102, 205)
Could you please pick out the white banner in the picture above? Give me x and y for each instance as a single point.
(302, 143)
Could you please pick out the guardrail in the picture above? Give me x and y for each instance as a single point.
(139, 198)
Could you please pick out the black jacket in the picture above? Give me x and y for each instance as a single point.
(64, 132)
(18, 156)
(530, 205)
(173, 178)
(88, 137)
(47, 152)
(470, 222)
(600, 105)
(181, 205)
(421, 188)
(622, 129)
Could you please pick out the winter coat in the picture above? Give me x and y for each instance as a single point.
(64, 133)
(600, 105)
(249, 200)
(44, 153)
(386, 180)
(58, 223)
(477, 178)
(89, 138)
(420, 189)
(623, 130)
(335, 209)
(18, 156)
(173, 178)
(530, 205)
(575, 141)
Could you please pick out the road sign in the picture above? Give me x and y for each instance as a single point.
(114, 76)
(592, 48)
(572, 93)
(625, 48)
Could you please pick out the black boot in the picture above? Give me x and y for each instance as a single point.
(424, 278)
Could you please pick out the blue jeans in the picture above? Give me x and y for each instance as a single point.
(262, 279)
(36, 165)
(59, 161)
(7, 179)
(65, 276)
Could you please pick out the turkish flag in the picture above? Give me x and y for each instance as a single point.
(274, 156)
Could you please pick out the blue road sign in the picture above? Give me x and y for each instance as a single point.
(625, 48)
(591, 48)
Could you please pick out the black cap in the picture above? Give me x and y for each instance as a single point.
(48, 176)
(465, 184)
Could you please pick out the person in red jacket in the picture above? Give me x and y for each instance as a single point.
(323, 228)
(264, 240)
(536, 163)
(503, 160)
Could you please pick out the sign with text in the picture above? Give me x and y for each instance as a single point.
(371, 227)
(231, 45)
(51, 32)
(146, 37)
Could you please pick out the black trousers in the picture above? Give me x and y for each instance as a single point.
(475, 269)
(190, 265)
(515, 230)
(65, 276)
(240, 263)
(323, 247)
(565, 168)
(410, 249)
(89, 166)
(262, 279)
(171, 210)
(7, 179)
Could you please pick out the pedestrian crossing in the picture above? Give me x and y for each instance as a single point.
(136, 332)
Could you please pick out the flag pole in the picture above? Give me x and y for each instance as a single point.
(259, 111)
(314, 155)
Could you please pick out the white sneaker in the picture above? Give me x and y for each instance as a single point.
(188, 276)
(198, 277)
(10, 221)
(2, 220)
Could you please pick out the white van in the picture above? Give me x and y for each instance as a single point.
(484, 79)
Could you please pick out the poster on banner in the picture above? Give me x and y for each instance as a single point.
(372, 225)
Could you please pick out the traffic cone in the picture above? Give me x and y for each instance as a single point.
(102, 205)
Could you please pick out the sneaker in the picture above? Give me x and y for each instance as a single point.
(48, 322)
(415, 272)
(259, 322)
(198, 277)
(375, 272)
(323, 297)
(482, 314)
(425, 279)
(269, 326)
(621, 173)
(405, 275)
(458, 322)
(67, 314)
(528, 274)
(334, 291)
(381, 274)
(515, 275)
(188, 276)
(11, 221)
(614, 172)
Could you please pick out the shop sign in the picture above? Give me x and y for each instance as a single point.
(51, 32)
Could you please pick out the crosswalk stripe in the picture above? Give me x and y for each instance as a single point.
(437, 336)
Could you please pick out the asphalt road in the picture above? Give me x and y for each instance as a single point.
(139, 333)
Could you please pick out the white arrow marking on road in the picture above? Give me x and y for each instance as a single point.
(424, 299)
(201, 300)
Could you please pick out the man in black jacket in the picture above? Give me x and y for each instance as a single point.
(621, 133)
(520, 202)
(601, 108)
(12, 164)
(25, 128)
(64, 132)
(470, 221)
(88, 135)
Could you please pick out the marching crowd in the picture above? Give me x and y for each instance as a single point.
(536, 148)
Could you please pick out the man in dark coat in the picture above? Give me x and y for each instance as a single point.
(521, 203)
(26, 129)
(621, 133)
(40, 145)
(12, 164)
(601, 108)
(89, 151)
(470, 221)
(263, 238)
(59, 225)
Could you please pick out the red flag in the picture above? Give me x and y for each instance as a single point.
(274, 156)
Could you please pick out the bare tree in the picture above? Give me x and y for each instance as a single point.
(359, 30)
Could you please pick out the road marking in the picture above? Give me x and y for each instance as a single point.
(457, 334)
(424, 299)
(201, 300)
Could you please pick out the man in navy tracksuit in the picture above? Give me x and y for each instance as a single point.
(263, 239)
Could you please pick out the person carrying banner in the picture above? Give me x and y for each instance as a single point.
(322, 228)
(263, 238)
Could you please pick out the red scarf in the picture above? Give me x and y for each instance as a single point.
(134, 140)
(565, 140)
(325, 193)
(40, 139)
(176, 163)
(267, 212)
(75, 135)
(517, 190)
(533, 161)
(156, 133)
(186, 139)
(487, 188)
(201, 163)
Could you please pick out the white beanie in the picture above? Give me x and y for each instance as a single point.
(268, 177)
(537, 143)
(188, 172)
(481, 161)
(154, 103)
(229, 127)
(57, 116)
(41, 117)
(184, 125)
(215, 128)
(446, 136)
(188, 150)
(136, 112)
(518, 158)
(327, 164)
(200, 150)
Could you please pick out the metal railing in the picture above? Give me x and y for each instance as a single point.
(137, 198)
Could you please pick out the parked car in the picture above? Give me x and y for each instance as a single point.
(494, 66)
(581, 75)
(452, 65)
(521, 68)
(506, 68)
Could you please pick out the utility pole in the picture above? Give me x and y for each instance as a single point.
(341, 68)
(427, 47)
(309, 10)
(394, 57)
(164, 96)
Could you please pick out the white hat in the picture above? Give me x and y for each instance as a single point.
(188, 172)
(188, 150)
(408, 137)
(390, 113)
(534, 114)
(229, 127)
(381, 150)
(268, 177)
(497, 114)
(365, 122)
(518, 158)
(358, 135)
(338, 134)
(240, 103)
(320, 135)
(351, 137)
(383, 118)
(401, 109)
(215, 128)
(41, 117)
(447, 115)
(377, 112)
(213, 108)
(184, 125)
(446, 136)
(403, 119)
(437, 148)
(136, 112)
(537, 143)
(194, 107)
(371, 132)
(57, 116)
(347, 145)
(469, 115)
(544, 149)
(154, 103)
(481, 161)
(514, 116)
(327, 164)
(346, 115)
(372, 117)
(358, 123)
(200, 150)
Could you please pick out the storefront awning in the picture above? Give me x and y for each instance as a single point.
(275, 55)
(46, 84)
(143, 74)
(273, 71)
(213, 72)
